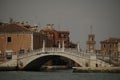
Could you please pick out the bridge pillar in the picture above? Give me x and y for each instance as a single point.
(59, 45)
(43, 48)
(63, 46)
(93, 60)
(78, 47)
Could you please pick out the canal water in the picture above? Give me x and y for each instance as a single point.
(57, 75)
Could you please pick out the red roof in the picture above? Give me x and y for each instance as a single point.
(11, 28)
(112, 40)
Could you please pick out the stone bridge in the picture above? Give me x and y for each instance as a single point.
(80, 58)
(83, 59)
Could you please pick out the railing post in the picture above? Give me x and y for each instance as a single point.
(78, 47)
(43, 48)
(59, 45)
(63, 46)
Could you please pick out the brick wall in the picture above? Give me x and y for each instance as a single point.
(15, 42)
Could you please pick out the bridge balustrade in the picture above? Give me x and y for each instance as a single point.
(70, 51)
(75, 51)
(30, 53)
(53, 49)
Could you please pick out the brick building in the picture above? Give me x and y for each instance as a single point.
(38, 40)
(111, 45)
(54, 37)
(15, 39)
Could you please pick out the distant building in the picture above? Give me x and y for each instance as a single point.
(54, 37)
(91, 43)
(111, 45)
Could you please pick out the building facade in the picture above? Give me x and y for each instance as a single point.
(55, 38)
(91, 43)
(111, 45)
(38, 40)
(15, 39)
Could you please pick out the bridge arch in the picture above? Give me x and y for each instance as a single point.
(28, 60)
(50, 60)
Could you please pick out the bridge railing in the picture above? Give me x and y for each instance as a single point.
(78, 53)
(39, 51)
(68, 50)
(30, 53)
(53, 49)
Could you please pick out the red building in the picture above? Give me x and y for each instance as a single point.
(54, 37)
(111, 45)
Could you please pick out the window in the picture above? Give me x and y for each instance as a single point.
(104, 46)
(65, 41)
(22, 51)
(92, 39)
(59, 35)
(65, 36)
(58, 42)
(28, 50)
(9, 39)
(110, 45)
(9, 54)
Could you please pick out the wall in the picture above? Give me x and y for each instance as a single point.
(18, 41)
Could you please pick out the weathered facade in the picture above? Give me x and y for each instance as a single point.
(15, 39)
(55, 38)
(38, 40)
(111, 45)
(91, 43)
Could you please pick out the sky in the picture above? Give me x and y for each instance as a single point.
(74, 15)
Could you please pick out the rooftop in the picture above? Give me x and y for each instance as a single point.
(12, 28)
